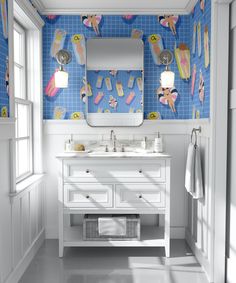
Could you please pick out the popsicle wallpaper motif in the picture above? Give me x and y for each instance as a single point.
(4, 75)
(200, 66)
(177, 103)
(115, 93)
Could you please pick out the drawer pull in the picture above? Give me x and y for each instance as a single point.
(87, 197)
(140, 196)
(140, 171)
(87, 171)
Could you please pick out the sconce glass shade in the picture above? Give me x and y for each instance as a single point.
(61, 79)
(167, 79)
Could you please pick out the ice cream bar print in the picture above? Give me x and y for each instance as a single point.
(98, 98)
(130, 98)
(119, 88)
(58, 41)
(99, 82)
(4, 18)
(140, 83)
(194, 37)
(199, 39)
(78, 43)
(108, 84)
(131, 82)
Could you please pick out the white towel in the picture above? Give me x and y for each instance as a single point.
(189, 174)
(112, 226)
(193, 174)
(198, 184)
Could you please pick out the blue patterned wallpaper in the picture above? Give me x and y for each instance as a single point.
(108, 99)
(4, 98)
(204, 17)
(116, 26)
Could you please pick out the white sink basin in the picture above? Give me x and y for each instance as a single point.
(110, 153)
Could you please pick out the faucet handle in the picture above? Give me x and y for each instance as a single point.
(106, 148)
(122, 148)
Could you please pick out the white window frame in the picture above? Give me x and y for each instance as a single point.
(23, 64)
(23, 100)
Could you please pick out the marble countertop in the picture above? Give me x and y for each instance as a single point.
(113, 155)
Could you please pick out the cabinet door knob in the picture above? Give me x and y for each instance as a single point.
(140, 171)
(87, 196)
(87, 171)
(140, 196)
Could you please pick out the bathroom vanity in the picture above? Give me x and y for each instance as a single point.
(114, 183)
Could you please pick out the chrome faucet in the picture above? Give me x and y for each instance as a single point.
(112, 135)
(113, 139)
(114, 144)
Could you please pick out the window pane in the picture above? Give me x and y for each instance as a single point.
(23, 120)
(18, 81)
(23, 157)
(16, 115)
(17, 160)
(17, 47)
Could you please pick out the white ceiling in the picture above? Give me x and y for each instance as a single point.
(114, 6)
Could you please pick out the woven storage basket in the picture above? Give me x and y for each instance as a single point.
(90, 228)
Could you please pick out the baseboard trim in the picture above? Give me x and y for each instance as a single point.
(202, 259)
(231, 272)
(21, 267)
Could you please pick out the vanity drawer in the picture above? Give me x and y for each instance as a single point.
(88, 195)
(141, 169)
(140, 195)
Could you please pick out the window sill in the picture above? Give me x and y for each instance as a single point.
(26, 184)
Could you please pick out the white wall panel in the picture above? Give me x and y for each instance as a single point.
(199, 224)
(21, 220)
(33, 216)
(231, 212)
(17, 232)
(25, 223)
(5, 211)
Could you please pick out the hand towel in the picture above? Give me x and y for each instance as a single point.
(190, 167)
(193, 174)
(198, 182)
(112, 226)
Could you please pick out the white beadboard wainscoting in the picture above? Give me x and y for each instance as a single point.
(199, 228)
(176, 136)
(21, 215)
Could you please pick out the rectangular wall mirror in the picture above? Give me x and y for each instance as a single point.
(115, 82)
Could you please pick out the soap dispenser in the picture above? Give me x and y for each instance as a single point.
(158, 143)
(144, 143)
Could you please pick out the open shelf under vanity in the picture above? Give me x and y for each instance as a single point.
(150, 237)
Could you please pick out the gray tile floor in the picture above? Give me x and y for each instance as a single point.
(114, 265)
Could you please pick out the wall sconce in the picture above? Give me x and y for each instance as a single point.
(63, 57)
(167, 77)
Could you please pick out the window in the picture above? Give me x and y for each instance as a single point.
(23, 107)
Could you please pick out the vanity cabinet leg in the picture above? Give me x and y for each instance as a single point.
(167, 235)
(61, 249)
(61, 235)
(167, 249)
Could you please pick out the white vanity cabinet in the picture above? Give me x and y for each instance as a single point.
(138, 184)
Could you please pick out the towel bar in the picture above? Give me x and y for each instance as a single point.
(194, 131)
